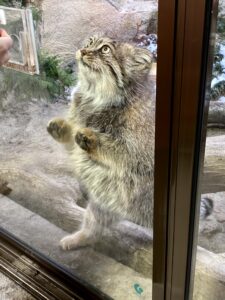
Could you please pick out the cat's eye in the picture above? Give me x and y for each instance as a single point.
(105, 49)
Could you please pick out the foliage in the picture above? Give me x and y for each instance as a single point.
(217, 66)
(51, 83)
(6, 2)
(221, 24)
(13, 3)
(53, 78)
(56, 77)
(37, 13)
(218, 89)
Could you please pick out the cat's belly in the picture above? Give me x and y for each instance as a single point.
(101, 182)
(125, 196)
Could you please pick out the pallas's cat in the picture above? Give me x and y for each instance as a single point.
(109, 134)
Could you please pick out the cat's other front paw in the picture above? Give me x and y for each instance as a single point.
(60, 130)
(86, 139)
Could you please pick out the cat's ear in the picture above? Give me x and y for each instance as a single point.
(115, 43)
(143, 57)
(137, 61)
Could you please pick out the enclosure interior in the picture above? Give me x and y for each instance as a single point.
(41, 201)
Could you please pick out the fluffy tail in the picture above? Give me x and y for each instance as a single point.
(206, 207)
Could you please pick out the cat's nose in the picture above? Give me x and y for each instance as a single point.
(83, 52)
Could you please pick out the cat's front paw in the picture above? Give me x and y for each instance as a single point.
(60, 130)
(86, 139)
(74, 241)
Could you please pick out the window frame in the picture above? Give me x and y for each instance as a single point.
(179, 146)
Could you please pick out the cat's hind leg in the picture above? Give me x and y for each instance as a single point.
(90, 232)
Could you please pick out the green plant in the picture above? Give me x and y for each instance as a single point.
(6, 2)
(50, 84)
(218, 72)
(221, 24)
(218, 90)
(37, 13)
(57, 77)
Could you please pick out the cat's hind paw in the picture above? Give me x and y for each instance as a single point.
(74, 241)
(66, 243)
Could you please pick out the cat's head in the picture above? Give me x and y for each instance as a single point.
(119, 63)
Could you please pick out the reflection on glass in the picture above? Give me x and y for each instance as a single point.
(88, 206)
(18, 23)
(210, 261)
(14, 26)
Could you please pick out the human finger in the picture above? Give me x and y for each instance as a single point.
(5, 44)
(5, 58)
(3, 33)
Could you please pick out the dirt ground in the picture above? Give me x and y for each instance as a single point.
(35, 166)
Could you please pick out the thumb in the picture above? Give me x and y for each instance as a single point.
(3, 33)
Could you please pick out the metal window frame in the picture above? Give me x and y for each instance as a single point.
(180, 109)
(74, 285)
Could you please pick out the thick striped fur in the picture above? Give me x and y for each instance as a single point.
(109, 134)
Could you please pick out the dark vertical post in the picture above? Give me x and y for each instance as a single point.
(179, 111)
(165, 74)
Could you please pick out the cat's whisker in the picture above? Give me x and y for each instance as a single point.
(66, 53)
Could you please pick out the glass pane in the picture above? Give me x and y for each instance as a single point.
(18, 23)
(76, 173)
(14, 26)
(209, 282)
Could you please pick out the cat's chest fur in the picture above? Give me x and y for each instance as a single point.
(110, 119)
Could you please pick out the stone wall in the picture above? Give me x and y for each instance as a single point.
(134, 5)
(67, 23)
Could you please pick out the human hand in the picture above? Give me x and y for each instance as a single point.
(5, 44)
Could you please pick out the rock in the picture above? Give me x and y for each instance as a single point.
(67, 23)
(209, 280)
(212, 229)
(36, 167)
(213, 178)
(216, 115)
(4, 189)
(104, 273)
(134, 5)
(108, 275)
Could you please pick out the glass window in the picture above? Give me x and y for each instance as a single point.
(77, 140)
(209, 280)
(19, 25)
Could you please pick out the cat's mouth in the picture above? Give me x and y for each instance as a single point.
(81, 58)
